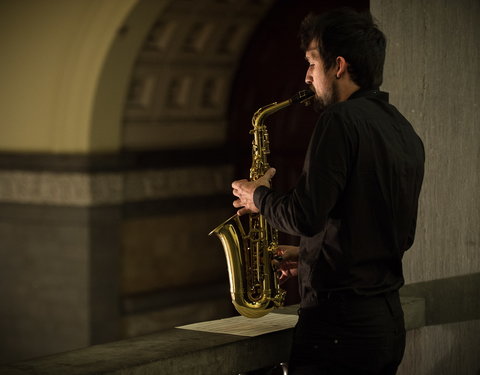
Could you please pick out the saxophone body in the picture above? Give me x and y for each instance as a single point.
(249, 242)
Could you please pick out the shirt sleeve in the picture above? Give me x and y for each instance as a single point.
(304, 210)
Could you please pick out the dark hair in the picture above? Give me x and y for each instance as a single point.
(352, 35)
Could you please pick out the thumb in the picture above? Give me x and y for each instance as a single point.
(270, 173)
(265, 179)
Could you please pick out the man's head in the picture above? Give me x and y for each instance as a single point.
(348, 47)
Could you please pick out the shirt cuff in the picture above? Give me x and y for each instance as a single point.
(258, 196)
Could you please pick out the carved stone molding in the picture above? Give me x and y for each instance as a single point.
(93, 189)
(184, 72)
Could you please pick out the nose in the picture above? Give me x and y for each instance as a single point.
(308, 77)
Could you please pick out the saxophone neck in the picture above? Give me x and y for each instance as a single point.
(303, 97)
(268, 110)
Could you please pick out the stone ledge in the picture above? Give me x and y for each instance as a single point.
(414, 311)
(181, 352)
(448, 300)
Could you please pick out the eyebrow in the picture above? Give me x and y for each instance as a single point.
(312, 53)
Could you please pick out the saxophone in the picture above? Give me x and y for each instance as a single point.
(254, 285)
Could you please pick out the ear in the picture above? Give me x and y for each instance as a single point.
(341, 67)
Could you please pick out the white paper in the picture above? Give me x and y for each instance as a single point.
(242, 326)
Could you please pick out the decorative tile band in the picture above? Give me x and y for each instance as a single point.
(93, 189)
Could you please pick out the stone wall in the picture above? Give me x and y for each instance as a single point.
(432, 75)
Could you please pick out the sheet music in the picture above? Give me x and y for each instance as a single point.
(242, 326)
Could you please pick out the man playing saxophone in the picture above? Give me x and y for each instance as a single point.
(354, 206)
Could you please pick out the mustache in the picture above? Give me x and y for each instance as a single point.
(318, 103)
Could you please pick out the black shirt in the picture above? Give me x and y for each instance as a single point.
(355, 204)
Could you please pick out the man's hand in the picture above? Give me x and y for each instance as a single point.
(244, 189)
(286, 261)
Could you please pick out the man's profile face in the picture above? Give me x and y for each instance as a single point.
(322, 82)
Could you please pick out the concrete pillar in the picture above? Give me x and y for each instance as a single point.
(432, 75)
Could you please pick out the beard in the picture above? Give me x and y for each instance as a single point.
(326, 100)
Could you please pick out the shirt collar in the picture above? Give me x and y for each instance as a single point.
(382, 95)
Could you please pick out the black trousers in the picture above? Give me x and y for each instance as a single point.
(349, 334)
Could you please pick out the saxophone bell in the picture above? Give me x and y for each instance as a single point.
(253, 284)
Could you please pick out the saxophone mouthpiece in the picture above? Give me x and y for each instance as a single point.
(303, 96)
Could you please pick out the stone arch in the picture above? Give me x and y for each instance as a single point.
(108, 102)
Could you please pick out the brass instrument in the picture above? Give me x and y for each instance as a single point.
(254, 284)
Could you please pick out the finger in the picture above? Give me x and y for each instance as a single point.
(276, 263)
(237, 203)
(286, 253)
(279, 252)
(236, 184)
(283, 276)
(290, 264)
(242, 211)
